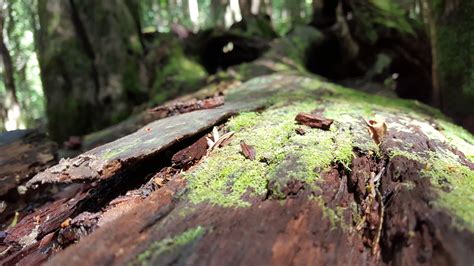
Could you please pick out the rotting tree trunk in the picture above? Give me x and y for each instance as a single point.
(428, 17)
(311, 196)
(101, 73)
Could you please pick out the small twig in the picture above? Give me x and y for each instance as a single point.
(379, 175)
(3, 253)
(342, 185)
(376, 241)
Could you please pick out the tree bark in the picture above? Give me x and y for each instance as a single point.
(218, 8)
(88, 69)
(10, 99)
(8, 68)
(428, 17)
(453, 60)
(388, 183)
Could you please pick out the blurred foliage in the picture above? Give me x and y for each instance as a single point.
(20, 29)
(161, 14)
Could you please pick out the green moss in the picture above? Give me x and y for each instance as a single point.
(243, 120)
(455, 183)
(335, 216)
(168, 244)
(459, 138)
(226, 175)
(406, 154)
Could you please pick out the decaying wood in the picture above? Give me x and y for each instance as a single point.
(103, 162)
(189, 106)
(377, 130)
(135, 199)
(314, 121)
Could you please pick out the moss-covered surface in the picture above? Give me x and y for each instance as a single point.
(168, 244)
(450, 175)
(226, 177)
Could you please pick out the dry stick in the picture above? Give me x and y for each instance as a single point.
(379, 229)
(381, 212)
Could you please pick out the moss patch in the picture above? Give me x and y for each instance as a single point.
(226, 177)
(168, 244)
(455, 185)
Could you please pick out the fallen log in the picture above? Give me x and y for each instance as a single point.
(337, 196)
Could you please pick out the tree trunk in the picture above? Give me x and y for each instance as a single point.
(453, 60)
(85, 69)
(245, 8)
(10, 99)
(218, 8)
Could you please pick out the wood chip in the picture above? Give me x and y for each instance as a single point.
(247, 150)
(300, 131)
(66, 223)
(377, 130)
(314, 121)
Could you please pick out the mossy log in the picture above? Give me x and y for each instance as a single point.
(352, 194)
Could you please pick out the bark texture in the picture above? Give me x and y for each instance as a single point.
(87, 68)
(310, 196)
(454, 62)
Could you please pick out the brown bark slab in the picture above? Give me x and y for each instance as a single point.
(22, 155)
(107, 160)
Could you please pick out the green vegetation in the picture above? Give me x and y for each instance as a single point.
(169, 244)
(225, 177)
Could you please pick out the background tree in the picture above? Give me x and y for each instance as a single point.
(86, 67)
(450, 24)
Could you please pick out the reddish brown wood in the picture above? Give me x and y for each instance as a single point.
(313, 121)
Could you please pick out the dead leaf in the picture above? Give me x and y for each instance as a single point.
(247, 150)
(314, 121)
(217, 140)
(377, 130)
(188, 106)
